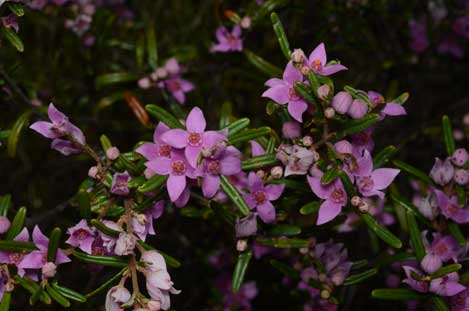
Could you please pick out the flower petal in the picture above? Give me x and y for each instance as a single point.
(176, 138)
(278, 94)
(319, 53)
(383, 177)
(44, 128)
(195, 122)
(296, 109)
(266, 212)
(176, 185)
(328, 211)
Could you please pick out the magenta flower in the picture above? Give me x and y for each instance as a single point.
(177, 168)
(445, 286)
(259, 197)
(158, 148)
(451, 209)
(10, 21)
(362, 141)
(228, 41)
(115, 297)
(282, 92)
(442, 172)
(333, 194)
(460, 301)
(370, 182)
(415, 283)
(317, 61)
(58, 128)
(11, 258)
(178, 87)
(389, 109)
(442, 249)
(81, 236)
(120, 183)
(226, 163)
(195, 138)
(37, 259)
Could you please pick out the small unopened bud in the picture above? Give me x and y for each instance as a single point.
(460, 157)
(363, 207)
(329, 113)
(4, 224)
(461, 177)
(161, 73)
(291, 129)
(358, 109)
(112, 153)
(355, 201)
(144, 83)
(93, 171)
(341, 102)
(304, 70)
(297, 56)
(9, 286)
(323, 91)
(241, 245)
(276, 172)
(260, 173)
(154, 305)
(246, 22)
(322, 277)
(465, 119)
(316, 156)
(307, 141)
(458, 134)
(49, 270)
(304, 250)
(206, 152)
(325, 294)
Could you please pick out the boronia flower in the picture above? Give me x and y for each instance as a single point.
(195, 138)
(115, 297)
(228, 41)
(120, 183)
(445, 286)
(317, 61)
(451, 209)
(81, 236)
(13, 258)
(442, 249)
(442, 172)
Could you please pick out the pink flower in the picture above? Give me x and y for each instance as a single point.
(317, 61)
(81, 236)
(115, 297)
(228, 41)
(120, 184)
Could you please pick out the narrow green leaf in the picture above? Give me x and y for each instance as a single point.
(359, 125)
(287, 270)
(105, 142)
(83, 199)
(304, 91)
(382, 232)
(152, 48)
(54, 241)
(267, 7)
(234, 195)
(164, 116)
(137, 182)
(401, 99)
(5, 204)
(259, 162)
(413, 171)
(17, 224)
(69, 293)
(140, 50)
(446, 270)
(329, 176)
(284, 229)
(356, 265)
(33, 288)
(107, 284)
(310, 208)
(396, 294)
(240, 270)
(409, 207)
(262, 64)
(237, 126)
(16, 246)
(281, 36)
(351, 191)
(313, 81)
(271, 145)
(384, 156)
(283, 242)
(360, 277)
(5, 304)
(103, 228)
(16, 8)
(448, 137)
(439, 303)
(18, 126)
(110, 261)
(456, 233)
(153, 183)
(415, 237)
(114, 78)
(387, 259)
(248, 135)
(61, 300)
(14, 39)
(226, 112)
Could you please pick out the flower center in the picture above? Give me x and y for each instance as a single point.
(179, 167)
(316, 65)
(174, 85)
(293, 94)
(81, 234)
(15, 258)
(164, 150)
(338, 195)
(365, 183)
(441, 248)
(259, 196)
(195, 139)
(231, 38)
(213, 167)
(452, 209)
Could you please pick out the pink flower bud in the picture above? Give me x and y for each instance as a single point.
(341, 102)
(291, 130)
(160, 73)
(93, 171)
(358, 109)
(460, 157)
(49, 269)
(355, 201)
(323, 91)
(461, 177)
(154, 305)
(442, 172)
(246, 22)
(241, 245)
(116, 296)
(329, 113)
(363, 206)
(316, 156)
(144, 83)
(465, 119)
(125, 244)
(343, 146)
(276, 172)
(307, 141)
(4, 224)
(305, 70)
(458, 134)
(260, 173)
(297, 56)
(112, 153)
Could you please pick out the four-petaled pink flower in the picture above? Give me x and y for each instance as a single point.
(259, 197)
(178, 87)
(451, 209)
(317, 61)
(389, 109)
(81, 236)
(195, 138)
(228, 41)
(282, 92)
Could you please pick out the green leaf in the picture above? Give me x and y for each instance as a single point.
(409, 207)
(448, 137)
(401, 99)
(83, 199)
(456, 233)
(329, 176)
(226, 112)
(304, 91)
(54, 241)
(153, 183)
(14, 39)
(69, 293)
(413, 171)
(16, 8)
(140, 50)
(356, 265)
(248, 135)
(415, 237)
(382, 232)
(271, 145)
(171, 261)
(103, 228)
(259, 162)
(17, 224)
(5, 304)
(387, 259)
(396, 294)
(310, 208)
(446, 270)
(20, 123)
(284, 229)
(384, 156)
(61, 300)
(5, 204)
(439, 303)
(283, 242)
(237, 126)
(137, 182)
(262, 64)
(114, 78)
(33, 288)
(240, 270)
(110, 261)
(152, 48)
(16, 246)
(359, 125)
(360, 277)
(107, 284)
(105, 142)
(281, 36)
(267, 7)
(313, 81)
(234, 195)
(351, 191)
(163, 116)
(287, 270)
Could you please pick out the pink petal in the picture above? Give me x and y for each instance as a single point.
(175, 185)
(236, 31)
(176, 138)
(291, 74)
(210, 185)
(254, 181)
(148, 150)
(44, 128)
(160, 129)
(55, 115)
(296, 109)
(183, 198)
(319, 53)
(383, 177)
(33, 260)
(365, 164)
(274, 82)
(256, 148)
(278, 94)
(210, 138)
(328, 70)
(392, 109)
(230, 166)
(39, 238)
(319, 190)
(160, 165)
(192, 155)
(274, 191)
(266, 212)
(195, 122)
(328, 211)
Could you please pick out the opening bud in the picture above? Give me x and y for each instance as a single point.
(276, 172)
(241, 245)
(329, 113)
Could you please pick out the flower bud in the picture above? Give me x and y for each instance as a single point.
(461, 177)
(246, 22)
(460, 157)
(246, 226)
(241, 245)
(297, 56)
(161, 73)
(465, 119)
(442, 172)
(341, 102)
(260, 173)
(154, 305)
(304, 70)
(116, 296)
(428, 206)
(291, 129)
(343, 146)
(276, 172)
(120, 183)
(112, 153)
(49, 269)
(363, 206)
(125, 244)
(325, 294)
(357, 109)
(322, 277)
(458, 134)
(93, 171)
(4, 224)
(307, 141)
(304, 250)
(355, 201)
(329, 113)
(144, 83)
(316, 156)
(323, 91)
